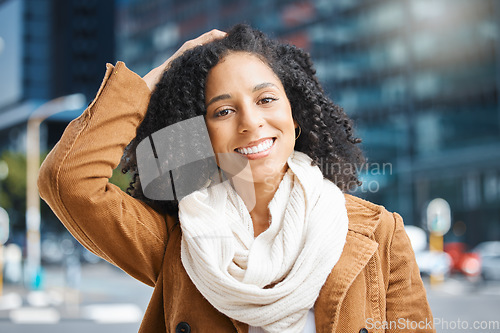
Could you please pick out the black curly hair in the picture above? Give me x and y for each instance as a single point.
(327, 132)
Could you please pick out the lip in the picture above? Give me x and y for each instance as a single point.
(255, 143)
(259, 155)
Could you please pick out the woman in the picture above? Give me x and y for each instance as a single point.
(268, 242)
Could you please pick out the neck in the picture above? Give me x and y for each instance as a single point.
(257, 196)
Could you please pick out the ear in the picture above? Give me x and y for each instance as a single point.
(295, 123)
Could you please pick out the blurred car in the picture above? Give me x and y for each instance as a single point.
(489, 253)
(51, 249)
(433, 263)
(429, 262)
(462, 261)
(57, 247)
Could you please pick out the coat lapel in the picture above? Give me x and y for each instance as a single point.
(364, 217)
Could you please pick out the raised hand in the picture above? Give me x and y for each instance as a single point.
(154, 75)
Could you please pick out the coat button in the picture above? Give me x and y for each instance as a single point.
(363, 330)
(182, 327)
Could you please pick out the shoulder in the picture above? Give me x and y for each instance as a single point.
(370, 219)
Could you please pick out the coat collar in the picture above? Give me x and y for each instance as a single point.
(364, 218)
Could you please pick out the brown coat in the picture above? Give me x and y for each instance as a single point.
(376, 278)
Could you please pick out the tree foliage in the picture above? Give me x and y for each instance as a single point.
(13, 192)
(13, 188)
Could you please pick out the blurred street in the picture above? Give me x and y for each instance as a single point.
(458, 305)
(111, 301)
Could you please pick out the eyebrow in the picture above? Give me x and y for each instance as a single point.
(218, 98)
(228, 96)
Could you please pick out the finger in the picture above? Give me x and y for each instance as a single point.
(210, 36)
(206, 38)
(190, 44)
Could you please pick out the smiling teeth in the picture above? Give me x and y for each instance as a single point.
(256, 149)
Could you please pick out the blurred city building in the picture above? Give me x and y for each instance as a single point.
(421, 79)
(48, 49)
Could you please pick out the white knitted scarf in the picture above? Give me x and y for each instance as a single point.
(233, 269)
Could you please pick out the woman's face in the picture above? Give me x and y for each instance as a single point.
(249, 116)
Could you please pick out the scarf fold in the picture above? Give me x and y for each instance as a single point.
(234, 270)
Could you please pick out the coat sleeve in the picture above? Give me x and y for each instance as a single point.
(74, 180)
(407, 303)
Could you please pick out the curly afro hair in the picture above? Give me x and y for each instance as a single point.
(327, 132)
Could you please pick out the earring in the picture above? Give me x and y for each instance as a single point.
(300, 131)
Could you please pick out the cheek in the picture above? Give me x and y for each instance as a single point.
(287, 124)
(216, 137)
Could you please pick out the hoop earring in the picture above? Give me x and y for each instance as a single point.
(300, 131)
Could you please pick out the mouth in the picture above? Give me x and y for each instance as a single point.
(257, 148)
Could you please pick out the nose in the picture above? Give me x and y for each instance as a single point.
(249, 119)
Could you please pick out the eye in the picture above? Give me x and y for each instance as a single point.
(267, 100)
(223, 112)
